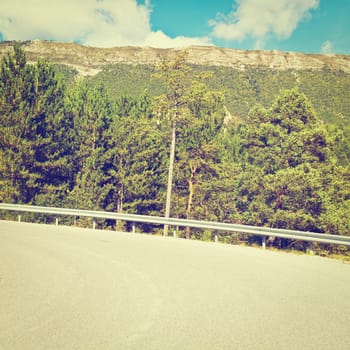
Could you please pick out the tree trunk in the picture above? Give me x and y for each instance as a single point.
(170, 177)
(189, 206)
(119, 224)
(190, 182)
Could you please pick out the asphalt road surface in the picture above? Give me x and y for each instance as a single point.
(70, 288)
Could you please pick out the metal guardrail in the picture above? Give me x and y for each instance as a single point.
(254, 230)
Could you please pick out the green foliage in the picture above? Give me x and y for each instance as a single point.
(328, 90)
(290, 174)
(70, 74)
(91, 112)
(80, 146)
(336, 199)
(197, 116)
(135, 165)
(32, 152)
(127, 80)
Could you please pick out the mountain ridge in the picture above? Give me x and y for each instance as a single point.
(90, 60)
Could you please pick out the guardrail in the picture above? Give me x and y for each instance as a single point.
(254, 230)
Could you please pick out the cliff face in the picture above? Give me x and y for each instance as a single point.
(89, 60)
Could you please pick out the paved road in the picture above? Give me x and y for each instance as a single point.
(65, 288)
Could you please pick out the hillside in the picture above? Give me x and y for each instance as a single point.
(90, 60)
(246, 77)
(105, 146)
(328, 90)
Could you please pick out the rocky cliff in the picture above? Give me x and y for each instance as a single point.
(89, 60)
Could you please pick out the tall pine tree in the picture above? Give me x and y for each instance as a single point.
(32, 151)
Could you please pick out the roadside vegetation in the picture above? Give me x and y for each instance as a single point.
(71, 143)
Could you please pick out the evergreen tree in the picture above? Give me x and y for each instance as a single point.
(92, 113)
(198, 161)
(172, 106)
(136, 156)
(32, 152)
(289, 173)
(194, 115)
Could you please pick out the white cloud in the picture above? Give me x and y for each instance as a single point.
(159, 39)
(258, 19)
(102, 23)
(327, 47)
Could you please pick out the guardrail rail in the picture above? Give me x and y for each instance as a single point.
(175, 222)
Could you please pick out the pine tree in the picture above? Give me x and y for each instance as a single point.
(194, 115)
(31, 150)
(91, 112)
(136, 156)
(172, 106)
(289, 171)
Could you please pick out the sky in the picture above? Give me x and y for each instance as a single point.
(314, 26)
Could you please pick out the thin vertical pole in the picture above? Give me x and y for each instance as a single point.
(170, 177)
(311, 248)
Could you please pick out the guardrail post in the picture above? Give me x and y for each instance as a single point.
(133, 227)
(56, 221)
(263, 243)
(216, 238)
(311, 248)
(94, 224)
(174, 232)
(19, 218)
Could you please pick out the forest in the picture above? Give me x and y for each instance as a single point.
(70, 143)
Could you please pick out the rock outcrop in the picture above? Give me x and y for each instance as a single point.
(90, 60)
